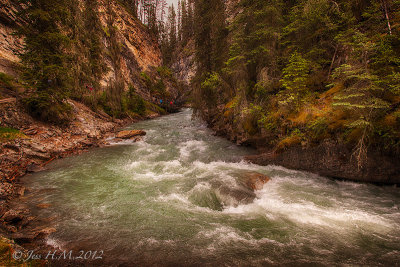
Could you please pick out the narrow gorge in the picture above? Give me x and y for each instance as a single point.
(199, 133)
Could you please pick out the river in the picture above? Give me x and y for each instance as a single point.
(157, 202)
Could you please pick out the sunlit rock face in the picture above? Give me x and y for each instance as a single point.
(10, 45)
(140, 51)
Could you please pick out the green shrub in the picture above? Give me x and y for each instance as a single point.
(6, 80)
(318, 127)
(146, 79)
(104, 103)
(210, 86)
(46, 108)
(136, 104)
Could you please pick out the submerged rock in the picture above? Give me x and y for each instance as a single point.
(43, 205)
(130, 134)
(33, 167)
(234, 196)
(243, 192)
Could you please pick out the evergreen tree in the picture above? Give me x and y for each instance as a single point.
(282, 57)
(210, 35)
(116, 84)
(44, 59)
(184, 24)
(294, 80)
(190, 18)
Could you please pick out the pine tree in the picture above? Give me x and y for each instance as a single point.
(116, 84)
(184, 24)
(210, 35)
(44, 59)
(294, 81)
(179, 21)
(190, 22)
(362, 95)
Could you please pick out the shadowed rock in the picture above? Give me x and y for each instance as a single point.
(234, 196)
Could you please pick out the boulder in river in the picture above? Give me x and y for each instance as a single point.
(243, 192)
(254, 180)
(130, 134)
(29, 235)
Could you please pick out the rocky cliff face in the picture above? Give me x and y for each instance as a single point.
(335, 160)
(140, 51)
(10, 45)
(184, 64)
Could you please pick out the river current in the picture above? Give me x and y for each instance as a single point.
(157, 202)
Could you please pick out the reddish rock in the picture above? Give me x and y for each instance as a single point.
(255, 180)
(43, 205)
(130, 134)
(13, 216)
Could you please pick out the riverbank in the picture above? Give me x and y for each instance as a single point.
(177, 197)
(329, 157)
(335, 160)
(32, 146)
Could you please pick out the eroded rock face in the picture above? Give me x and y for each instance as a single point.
(335, 160)
(10, 44)
(130, 134)
(140, 51)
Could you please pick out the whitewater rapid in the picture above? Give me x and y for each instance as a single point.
(157, 202)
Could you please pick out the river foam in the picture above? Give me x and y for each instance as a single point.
(159, 202)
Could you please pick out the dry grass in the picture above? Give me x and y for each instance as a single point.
(288, 142)
(8, 134)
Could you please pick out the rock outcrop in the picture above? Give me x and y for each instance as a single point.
(184, 65)
(335, 160)
(140, 51)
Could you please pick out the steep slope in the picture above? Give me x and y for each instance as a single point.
(139, 49)
(140, 52)
(10, 45)
(312, 84)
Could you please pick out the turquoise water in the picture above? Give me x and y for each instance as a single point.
(158, 202)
